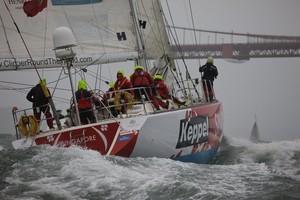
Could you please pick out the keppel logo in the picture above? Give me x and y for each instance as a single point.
(193, 131)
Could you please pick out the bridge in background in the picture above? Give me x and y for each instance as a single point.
(236, 46)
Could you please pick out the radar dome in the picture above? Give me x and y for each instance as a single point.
(63, 38)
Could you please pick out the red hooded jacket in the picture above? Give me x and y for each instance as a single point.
(141, 78)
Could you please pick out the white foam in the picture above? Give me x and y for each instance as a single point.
(74, 173)
(278, 155)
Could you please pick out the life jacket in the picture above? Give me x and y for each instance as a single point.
(141, 78)
(161, 89)
(83, 99)
(122, 84)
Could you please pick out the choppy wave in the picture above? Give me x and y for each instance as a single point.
(283, 156)
(242, 170)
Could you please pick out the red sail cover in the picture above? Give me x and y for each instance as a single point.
(33, 7)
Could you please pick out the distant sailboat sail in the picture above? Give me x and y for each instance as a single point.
(254, 137)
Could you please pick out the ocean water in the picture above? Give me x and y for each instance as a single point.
(242, 170)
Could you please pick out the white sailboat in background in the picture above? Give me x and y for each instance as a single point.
(111, 31)
(254, 137)
(255, 133)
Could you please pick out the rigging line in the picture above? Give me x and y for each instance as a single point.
(102, 55)
(81, 77)
(178, 75)
(28, 88)
(61, 100)
(34, 65)
(97, 74)
(6, 88)
(60, 79)
(45, 35)
(160, 32)
(57, 81)
(70, 26)
(92, 65)
(98, 28)
(16, 83)
(101, 77)
(193, 24)
(181, 55)
(176, 44)
(103, 46)
(7, 42)
(176, 40)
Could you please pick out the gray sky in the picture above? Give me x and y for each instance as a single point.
(267, 88)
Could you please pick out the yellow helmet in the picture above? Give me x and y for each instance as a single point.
(111, 84)
(210, 60)
(43, 81)
(138, 67)
(158, 76)
(121, 72)
(82, 85)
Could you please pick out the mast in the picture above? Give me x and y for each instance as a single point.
(141, 60)
(64, 41)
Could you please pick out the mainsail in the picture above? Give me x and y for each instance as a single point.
(105, 31)
(99, 28)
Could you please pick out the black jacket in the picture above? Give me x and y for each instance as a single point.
(37, 96)
(210, 72)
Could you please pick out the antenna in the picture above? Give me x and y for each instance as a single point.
(64, 41)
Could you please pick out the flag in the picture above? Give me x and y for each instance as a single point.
(33, 7)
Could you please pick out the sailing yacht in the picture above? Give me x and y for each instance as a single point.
(108, 31)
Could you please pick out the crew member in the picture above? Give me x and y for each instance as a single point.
(84, 103)
(108, 99)
(209, 73)
(163, 91)
(40, 103)
(122, 82)
(141, 78)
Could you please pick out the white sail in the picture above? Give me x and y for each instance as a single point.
(254, 137)
(155, 39)
(105, 31)
(101, 28)
(152, 27)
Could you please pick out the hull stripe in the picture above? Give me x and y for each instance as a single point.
(114, 142)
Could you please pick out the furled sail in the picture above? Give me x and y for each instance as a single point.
(100, 27)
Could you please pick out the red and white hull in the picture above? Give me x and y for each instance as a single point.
(191, 134)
